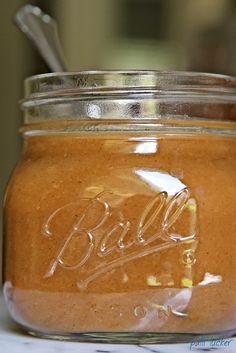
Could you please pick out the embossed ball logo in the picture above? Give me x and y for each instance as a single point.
(98, 236)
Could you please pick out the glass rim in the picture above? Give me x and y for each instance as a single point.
(127, 95)
(107, 81)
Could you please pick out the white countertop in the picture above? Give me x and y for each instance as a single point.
(13, 340)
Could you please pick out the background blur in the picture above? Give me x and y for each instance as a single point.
(198, 35)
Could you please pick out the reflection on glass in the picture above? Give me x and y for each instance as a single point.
(146, 147)
(160, 181)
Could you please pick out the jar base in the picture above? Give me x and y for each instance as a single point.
(135, 337)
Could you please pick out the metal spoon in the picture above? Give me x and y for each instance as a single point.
(41, 29)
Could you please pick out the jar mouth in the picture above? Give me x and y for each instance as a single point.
(112, 81)
(129, 95)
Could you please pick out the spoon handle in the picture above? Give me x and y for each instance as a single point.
(42, 30)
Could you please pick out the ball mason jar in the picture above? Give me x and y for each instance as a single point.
(119, 219)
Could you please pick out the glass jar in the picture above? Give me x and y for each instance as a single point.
(119, 221)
